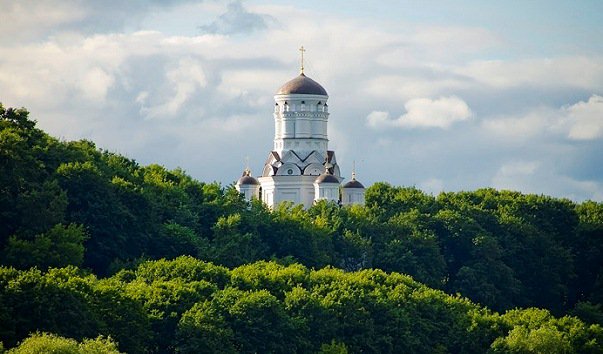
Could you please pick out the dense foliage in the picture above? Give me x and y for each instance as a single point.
(48, 343)
(190, 306)
(71, 204)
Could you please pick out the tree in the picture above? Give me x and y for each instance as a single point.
(588, 249)
(59, 247)
(30, 202)
(486, 278)
(251, 322)
(92, 202)
(204, 329)
(333, 348)
(50, 343)
(537, 331)
(232, 247)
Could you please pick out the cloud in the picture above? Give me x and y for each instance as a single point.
(424, 113)
(568, 71)
(539, 121)
(586, 119)
(95, 84)
(237, 19)
(18, 17)
(539, 178)
(203, 101)
(395, 87)
(579, 121)
(185, 79)
(25, 20)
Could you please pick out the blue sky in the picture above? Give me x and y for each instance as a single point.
(441, 95)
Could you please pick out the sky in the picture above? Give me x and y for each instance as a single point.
(440, 95)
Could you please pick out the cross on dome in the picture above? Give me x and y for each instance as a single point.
(302, 50)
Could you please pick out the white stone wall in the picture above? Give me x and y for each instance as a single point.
(300, 123)
(297, 189)
(250, 191)
(326, 191)
(351, 196)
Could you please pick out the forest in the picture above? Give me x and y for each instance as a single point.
(99, 254)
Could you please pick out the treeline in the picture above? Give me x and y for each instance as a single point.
(190, 306)
(69, 203)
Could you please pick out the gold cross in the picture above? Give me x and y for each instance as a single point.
(302, 50)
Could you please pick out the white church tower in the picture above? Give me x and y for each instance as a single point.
(353, 191)
(301, 168)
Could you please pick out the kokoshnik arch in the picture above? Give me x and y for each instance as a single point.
(301, 168)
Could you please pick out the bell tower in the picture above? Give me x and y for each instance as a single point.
(301, 114)
(300, 168)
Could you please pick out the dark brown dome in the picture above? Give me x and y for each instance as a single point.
(302, 85)
(248, 180)
(326, 178)
(353, 184)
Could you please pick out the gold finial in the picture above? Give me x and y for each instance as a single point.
(302, 50)
(247, 171)
(353, 170)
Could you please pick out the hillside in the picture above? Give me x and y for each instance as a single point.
(190, 306)
(105, 218)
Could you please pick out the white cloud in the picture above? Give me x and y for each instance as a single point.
(536, 122)
(472, 38)
(406, 75)
(242, 84)
(424, 113)
(237, 19)
(586, 119)
(27, 18)
(84, 72)
(95, 83)
(580, 121)
(186, 78)
(399, 87)
(31, 19)
(426, 45)
(378, 119)
(575, 72)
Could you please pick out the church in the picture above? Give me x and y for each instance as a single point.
(301, 168)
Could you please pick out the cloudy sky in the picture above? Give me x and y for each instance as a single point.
(442, 95)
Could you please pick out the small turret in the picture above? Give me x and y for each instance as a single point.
(248, 185)
(326, 186)
(353, 191)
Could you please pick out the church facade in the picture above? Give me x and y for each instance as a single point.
(301, 168)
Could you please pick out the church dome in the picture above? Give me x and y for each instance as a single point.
(302, 85)
(353, 184)
(326, 178)
(248, 180)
